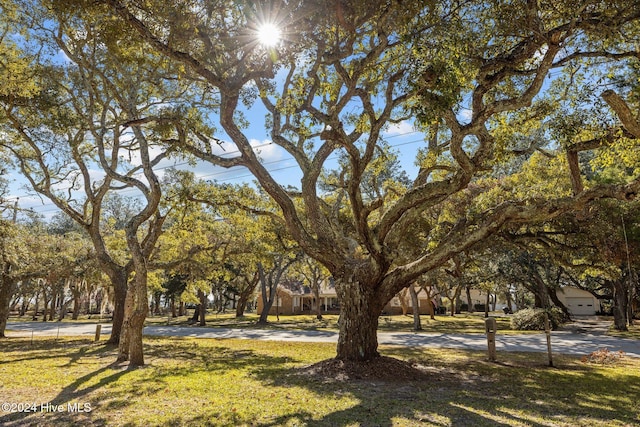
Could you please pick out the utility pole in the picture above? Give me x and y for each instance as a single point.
(15, 210)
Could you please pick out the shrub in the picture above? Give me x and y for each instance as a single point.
(532, 319)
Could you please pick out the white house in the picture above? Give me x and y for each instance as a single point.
(579, 302)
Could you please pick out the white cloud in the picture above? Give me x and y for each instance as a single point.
(267, 151)
(402, 128)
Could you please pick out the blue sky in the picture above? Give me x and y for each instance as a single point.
(282, 166)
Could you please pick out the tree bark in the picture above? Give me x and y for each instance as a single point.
(540, 291)
(470, 308)
(619, 305)
(135, 312)
(119, 282)
(556, 301)
(360, 309)
(454, 299)
(415, 305)
(318, 305)
(76, 304)
(486, 304)
(36, 305)
(202, 307)
(6, 290)
(268, 295)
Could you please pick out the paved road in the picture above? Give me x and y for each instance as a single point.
(565, 342)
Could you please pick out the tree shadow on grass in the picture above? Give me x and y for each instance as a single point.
(71, 406)
(457, 388)
(42, 348)
(478, 393)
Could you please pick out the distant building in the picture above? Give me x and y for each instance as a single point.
(395, 306)
(296, 298)
(579, 302)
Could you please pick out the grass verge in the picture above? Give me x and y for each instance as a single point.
(461, 323)
(259, 383)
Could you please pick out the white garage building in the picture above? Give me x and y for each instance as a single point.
(579, 302)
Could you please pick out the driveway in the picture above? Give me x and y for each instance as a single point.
(564, 342)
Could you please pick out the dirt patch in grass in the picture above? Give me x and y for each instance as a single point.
(387, 369)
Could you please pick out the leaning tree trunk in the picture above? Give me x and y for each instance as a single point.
(245, 294)
(556, 301)
(360, 309)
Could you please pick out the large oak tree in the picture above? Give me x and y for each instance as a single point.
(345, 71)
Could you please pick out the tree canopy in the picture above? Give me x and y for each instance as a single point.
(523, 105)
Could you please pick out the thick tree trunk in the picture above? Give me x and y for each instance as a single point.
(135, 312)
(486, 305)
(619, 305)
(454, 299)
(45, 305)
(53, 304)
(316, 296)
(541, 293)
(469, 300)
(243, 297)
(6, 289)
(24, 306)
(76, 305)
(36, 306)
(119, 282)
(556, 301)
(241, 306)
(402, 296)
(415, 306)
(268, 295)
(64, 307)
(202, 307)
(630, 302)
(156, 303)
(360, 308)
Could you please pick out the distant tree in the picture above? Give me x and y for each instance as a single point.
(98, 111)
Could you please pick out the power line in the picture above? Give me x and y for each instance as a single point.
(54, 208)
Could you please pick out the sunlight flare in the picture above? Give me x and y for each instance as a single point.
(269, 34)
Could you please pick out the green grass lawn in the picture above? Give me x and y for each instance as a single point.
(257, 383)
(632, 333)
(461, 323)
